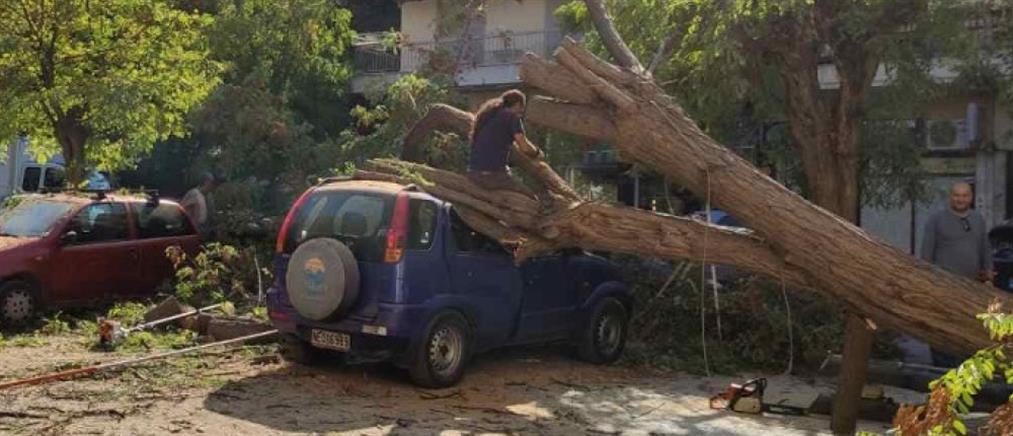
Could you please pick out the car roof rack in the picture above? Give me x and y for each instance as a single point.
(334, 179)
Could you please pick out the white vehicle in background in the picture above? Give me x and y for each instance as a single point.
(20, 173)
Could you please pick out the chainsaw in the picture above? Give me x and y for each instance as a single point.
(743, 398)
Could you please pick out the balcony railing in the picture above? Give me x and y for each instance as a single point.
(501, 49)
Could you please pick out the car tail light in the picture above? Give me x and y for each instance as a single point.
(280, 316)
(283, 232)
(398, 233)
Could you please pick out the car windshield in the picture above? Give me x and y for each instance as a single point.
(31, 217)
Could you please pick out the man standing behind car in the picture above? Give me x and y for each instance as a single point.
(195, 202)
(956, 239)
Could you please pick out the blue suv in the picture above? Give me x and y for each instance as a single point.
(382, 271)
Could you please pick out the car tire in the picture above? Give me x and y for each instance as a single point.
(293, 349)
(18, 303)
(603, 336)
(443, 352)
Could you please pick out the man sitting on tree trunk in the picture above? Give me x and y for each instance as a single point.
(957, 240)
(497, 127)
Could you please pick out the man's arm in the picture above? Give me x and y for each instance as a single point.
(986, 248)
(929, 240)
(521, 139)
(526, 146)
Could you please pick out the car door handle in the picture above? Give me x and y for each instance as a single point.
(133, 253)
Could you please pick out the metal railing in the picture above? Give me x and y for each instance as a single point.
(505, 48)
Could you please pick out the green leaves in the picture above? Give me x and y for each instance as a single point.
(964, 382)
(125, 71)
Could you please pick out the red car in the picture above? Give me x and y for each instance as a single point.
(67, 251)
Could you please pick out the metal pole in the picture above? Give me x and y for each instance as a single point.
(636, 191)
(88, 370)
(171, 318)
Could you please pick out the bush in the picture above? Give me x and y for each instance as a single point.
(665, 329)
(219, 273)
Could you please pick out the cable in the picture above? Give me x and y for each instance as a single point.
(703, 281)
(791, 334)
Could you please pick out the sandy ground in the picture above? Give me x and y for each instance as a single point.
(517, 391)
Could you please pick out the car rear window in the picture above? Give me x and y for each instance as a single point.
(360, 220)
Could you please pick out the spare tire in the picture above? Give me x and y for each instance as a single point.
(322, 279)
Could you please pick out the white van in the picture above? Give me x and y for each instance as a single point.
(20, 173)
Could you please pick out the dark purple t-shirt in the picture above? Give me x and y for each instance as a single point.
(491, 146)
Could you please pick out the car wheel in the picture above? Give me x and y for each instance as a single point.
(604, 336)
(442, 354)
(17, 302)
(296, 350)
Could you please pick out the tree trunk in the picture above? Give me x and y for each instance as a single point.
(875, 279)
(72, 136)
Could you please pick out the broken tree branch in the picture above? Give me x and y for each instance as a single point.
(614, 43)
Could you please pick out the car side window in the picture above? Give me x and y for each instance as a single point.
(163, 220)
(30, 179)
(469, 241)
(421, 224)
(54, 178)
(100, 222)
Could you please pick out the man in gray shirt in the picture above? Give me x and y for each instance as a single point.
(956, 240)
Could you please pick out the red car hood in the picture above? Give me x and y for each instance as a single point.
(9, 243)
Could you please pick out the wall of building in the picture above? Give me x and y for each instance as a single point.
(418, 18)
(418, 21)
(518, 17)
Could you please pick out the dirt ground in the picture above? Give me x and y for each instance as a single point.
(517, 391)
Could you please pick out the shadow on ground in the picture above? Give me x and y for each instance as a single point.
(511, 391)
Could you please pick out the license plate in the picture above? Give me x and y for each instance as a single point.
(331, 340)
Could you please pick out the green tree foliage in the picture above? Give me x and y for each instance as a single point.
(394, 111)
(718, 69)
(250, 133)
(297, 48)
(268, 127)
(953, 393)
(100, 81)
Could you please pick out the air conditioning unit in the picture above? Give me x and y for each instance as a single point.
(944, 135)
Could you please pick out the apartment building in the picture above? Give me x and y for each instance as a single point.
(484, 55)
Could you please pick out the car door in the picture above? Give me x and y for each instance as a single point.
(549, 298)
(484, 275)
(160, 225)
(97, 258)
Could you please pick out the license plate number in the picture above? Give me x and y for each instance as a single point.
(331, 340)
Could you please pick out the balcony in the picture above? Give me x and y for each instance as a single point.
(487, 61)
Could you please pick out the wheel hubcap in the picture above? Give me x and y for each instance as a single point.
(17, 305)
(608, 333)
(446, 350)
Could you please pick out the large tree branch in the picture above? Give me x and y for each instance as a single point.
(664, 52)
(591, 226)
(614, 43)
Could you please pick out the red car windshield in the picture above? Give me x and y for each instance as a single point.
(31, 217)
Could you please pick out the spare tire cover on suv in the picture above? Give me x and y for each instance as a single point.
(322, 279)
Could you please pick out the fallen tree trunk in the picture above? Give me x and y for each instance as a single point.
(878, 280)
(593, 226)
(805, 244)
